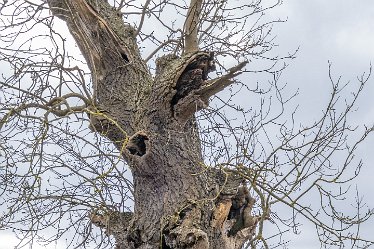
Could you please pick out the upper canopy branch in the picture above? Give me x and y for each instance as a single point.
(191, 26)
(88, 27)
(105, 40)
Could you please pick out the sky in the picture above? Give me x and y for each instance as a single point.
(339, 31)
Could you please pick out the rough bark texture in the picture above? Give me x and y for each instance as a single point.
(179, 202)
(191, 26)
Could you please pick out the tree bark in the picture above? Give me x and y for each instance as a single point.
(179, 202)
(191, 26)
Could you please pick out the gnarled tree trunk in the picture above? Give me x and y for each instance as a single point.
(179, 202)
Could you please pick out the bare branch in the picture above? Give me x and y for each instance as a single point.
(144, 12)
(191, 26)
(212, 87)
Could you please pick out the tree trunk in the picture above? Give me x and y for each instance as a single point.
(179, 202)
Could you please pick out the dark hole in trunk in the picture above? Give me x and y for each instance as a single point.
(134, 237)
(164, 245)
(193, 76)
(136, 145)
(234, 212)
(184, 212)
(124, 57)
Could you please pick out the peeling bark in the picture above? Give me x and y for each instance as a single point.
(179, 203)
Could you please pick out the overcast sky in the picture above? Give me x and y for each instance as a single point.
(340, 31)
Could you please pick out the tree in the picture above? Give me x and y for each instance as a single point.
(198, 179)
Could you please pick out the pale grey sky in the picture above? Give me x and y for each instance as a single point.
(342, 32)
